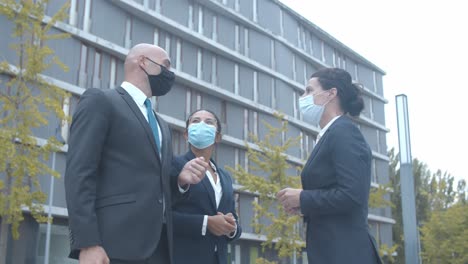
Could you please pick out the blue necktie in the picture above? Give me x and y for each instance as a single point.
(153, 123)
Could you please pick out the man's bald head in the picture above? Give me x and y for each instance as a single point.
(142, 60)
(145, 50)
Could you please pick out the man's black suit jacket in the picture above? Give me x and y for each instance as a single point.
(115, 177)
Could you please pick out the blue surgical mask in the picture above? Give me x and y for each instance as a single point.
(311, 112)
(201, 135)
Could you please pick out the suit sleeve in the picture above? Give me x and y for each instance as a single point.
(233, 210)
(351, 161)
(176, 168)
(87, 138)
(239, 228)
(187, 224)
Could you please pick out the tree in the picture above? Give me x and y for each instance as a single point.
(26, 101)
(434, 193)
(377, 199)
(445, 236)
(421, 177)
(269, 160)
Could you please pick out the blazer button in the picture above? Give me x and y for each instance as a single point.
(160, 200)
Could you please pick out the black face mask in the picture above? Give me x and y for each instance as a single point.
(162, 83)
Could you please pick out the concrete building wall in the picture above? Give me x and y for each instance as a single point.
(243, 59)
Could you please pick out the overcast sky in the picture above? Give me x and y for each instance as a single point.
(423, 48)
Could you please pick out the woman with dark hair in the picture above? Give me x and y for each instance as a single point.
(206, 221)
(336, 177)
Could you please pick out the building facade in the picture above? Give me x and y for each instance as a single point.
(243, 59)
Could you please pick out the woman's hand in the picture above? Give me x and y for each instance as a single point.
(290, 199)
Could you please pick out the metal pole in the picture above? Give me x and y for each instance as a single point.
(49, 213)
(408, 204)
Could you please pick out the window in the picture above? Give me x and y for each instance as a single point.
(273, 95)
(304, 39)
(356, 72)
(371, 108)
(272, 54)
(188, 103)
(97, 70)
(322, 47)
(294, 67)
(113, 73)
(200, 19)
(168, 44)
(214, 73)
(199, 100)
(236, 159)
(73, 12)
(199, 63)
(379, 148)
(281, 23)
(236, 78)
(214, 33)
(237, 5)
(246, 162)
(158, 6)
(128, 33)
(237, 38)
(334, 58)
(179, 55)
(295, 99)
(254, 11)
(59, 246)
(87, 16)
(246, 124)
(83, 68)
(238, 254)
(311, 45)
(156, 36)
(255, 123)
(305, 74)
(374, 79)
(302, 140)
(246, 42)
(374, 171)
(255, 83)
(190, 16)
(253, 254)
(64, 131)
(299, 43)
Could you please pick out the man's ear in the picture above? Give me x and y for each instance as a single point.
(186, 135)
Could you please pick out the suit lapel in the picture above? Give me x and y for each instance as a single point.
(323, 139)
(131, 103)
(165, 134)
(224, 187)
(209, 188)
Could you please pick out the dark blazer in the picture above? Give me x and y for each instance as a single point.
(336, 183)
(115, 179)
(190, 246)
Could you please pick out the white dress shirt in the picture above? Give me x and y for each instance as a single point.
(218, 191)
(322, 132)
(139, 97)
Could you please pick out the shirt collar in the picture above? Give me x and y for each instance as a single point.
(327, 126)
(138, 96)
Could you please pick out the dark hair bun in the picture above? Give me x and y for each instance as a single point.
(355, 103)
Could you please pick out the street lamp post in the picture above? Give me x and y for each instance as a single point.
(410, 229)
